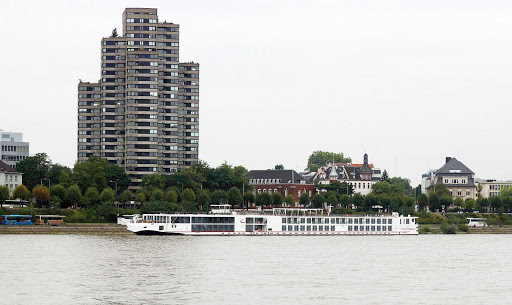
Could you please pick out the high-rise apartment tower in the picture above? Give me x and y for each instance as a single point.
(143, 113)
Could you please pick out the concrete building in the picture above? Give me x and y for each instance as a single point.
(9, 177)
(143, 113)
(491, 187)
(426, 178)
(12, 147)
(286, 182)
(457, 177)
(361, 176)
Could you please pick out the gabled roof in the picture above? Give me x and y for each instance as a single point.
(286, 175)
(4, 168)
(454, 166)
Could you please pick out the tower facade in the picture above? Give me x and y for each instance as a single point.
(143, 114)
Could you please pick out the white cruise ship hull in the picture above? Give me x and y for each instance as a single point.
(267, 225)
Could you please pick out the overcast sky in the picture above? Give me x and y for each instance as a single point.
(410, 82)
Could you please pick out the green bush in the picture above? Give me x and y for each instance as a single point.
(448, 228)
(425, 230)
(463, 227)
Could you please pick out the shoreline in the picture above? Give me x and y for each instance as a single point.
(115, 229)
(72, 228)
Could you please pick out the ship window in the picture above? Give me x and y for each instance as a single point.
(284, 221)
(302, 228)
(290, 228)
(303, 220)
(356, 228)
(367, 228)
(390, 228)
(309, 220)
(361, 228)
(284, 228)
(337, 220)
(356, 221)
(378, 221)
(343, 220)
(407, 221)
(378, 228)
(332, 228)
(373, 221)
(315, 228)
(320, 228)
(373, 228)
(326, 228)
(383, 228)
(350, 228)
(327, 220)
(295, 228)
(308, 228)
(350, 221)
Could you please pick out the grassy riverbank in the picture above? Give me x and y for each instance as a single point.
(70, 228)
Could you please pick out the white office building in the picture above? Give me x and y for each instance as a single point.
(12, 147)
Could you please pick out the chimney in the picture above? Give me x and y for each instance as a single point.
(448, 159)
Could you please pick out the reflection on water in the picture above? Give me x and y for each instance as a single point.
(425, 269)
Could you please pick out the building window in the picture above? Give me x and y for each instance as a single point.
(467, 193)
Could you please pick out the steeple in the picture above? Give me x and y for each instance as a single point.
(366, 171)
(334, 174)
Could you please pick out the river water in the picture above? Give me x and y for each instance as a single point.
(424, 269)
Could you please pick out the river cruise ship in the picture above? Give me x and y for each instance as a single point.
(278, 221)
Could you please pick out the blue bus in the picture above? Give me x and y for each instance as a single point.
(16, 220)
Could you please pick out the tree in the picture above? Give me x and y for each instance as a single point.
(59, 191)
(93, 195)
(385, 176)
(189, 195)
(108, 195)
(59, 174)
(263, 199)
(336, 186)
(304, 199)
(277, 199)
(470, 204)
(459, 203)
(332, 200)
(318, 201)
(41, 194)
(403, 184)
(204, 199)
(171, 196)
(278, 167)
(249, 197)
(482, 203)
(370, 201)
(126, 196)
(384, 187)
(21, 192)
(157, 195)
(73, 195)
(434, 202)
(495, 203)
(289, 200)
(358, 200)
(235, 196)
(4, 195)
(140, 196)
(446, 201)
(321, 158)
(422, 202)
(34, 169)
(345, 200)
(219, 197)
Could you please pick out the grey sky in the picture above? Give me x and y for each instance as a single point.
(410, 82)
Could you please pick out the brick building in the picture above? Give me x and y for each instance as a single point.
(285, 182)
